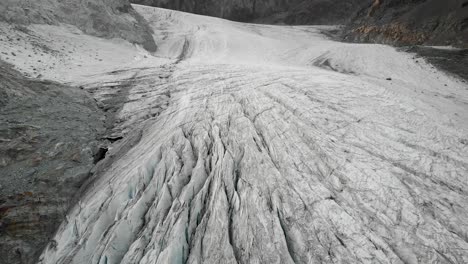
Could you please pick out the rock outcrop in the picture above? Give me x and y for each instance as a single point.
(412, 22)
(49, 135)
(102, 18)
(323, 12)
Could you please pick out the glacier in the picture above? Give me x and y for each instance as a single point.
(248, 143)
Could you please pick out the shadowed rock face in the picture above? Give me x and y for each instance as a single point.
(324, 12)
(235, 10)
(412, 22)
(102, 18)
(288, 11)
(48, 134)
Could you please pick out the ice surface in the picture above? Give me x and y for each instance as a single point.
(267, 144)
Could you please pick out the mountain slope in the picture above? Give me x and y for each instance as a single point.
(103, 18)
(413, 22)
(290, 11)
(391, 21)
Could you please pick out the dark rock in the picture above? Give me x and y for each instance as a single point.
(100, 154)
(114, 139)
(39, 172)
(411, 22)
(267, 11)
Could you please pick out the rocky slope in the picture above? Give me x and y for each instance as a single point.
(412, 22)
(49, 139)
(267, 11)
(103, 18)
(323, 12)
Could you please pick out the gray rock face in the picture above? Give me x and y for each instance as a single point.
(289, 11)
(103, 18)
(413, 22)
(48, 135)
(323, 12)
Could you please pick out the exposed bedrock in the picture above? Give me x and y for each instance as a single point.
(48, 135)
(412, 22)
